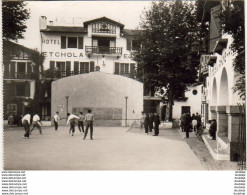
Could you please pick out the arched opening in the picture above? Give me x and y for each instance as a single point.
(224, 96)
(214, 93)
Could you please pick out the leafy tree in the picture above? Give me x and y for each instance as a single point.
(14, 15)
(165, 58)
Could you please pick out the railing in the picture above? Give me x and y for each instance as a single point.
(104, 31)
(104, 50)
(62, 74)
(19, 75)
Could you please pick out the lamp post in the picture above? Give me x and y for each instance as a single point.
(126, 98)
(67, 105)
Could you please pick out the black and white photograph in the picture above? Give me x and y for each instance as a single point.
(124, 85)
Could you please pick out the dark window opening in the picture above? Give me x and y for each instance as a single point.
(21, 67)
(72, 42)
(20, 89)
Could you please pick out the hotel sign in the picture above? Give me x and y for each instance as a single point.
(62, 54)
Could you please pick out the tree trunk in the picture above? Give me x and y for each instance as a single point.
(169, 106)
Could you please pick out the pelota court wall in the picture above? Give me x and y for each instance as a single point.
(103, 93)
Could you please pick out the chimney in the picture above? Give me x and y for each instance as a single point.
(51, 23)
(42, 23)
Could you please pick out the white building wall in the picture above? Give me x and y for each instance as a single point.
(224, 61)
(194, 101)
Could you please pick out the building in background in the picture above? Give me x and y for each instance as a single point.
(81, 59)
(20, 74)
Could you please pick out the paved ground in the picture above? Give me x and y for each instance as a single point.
(112, 149)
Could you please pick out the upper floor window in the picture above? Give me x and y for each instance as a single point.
(103, 27)
(71, 42)
(132, 44)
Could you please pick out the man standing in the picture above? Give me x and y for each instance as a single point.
(26, 124)
(80, 122)
(36, 123)
(72, 120)
(156, 124)
(187, 124)
(89, 123)
(151, 122)
(56, 118)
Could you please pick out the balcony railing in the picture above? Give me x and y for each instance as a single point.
(19, 75)
(103, 50)
(104, 31)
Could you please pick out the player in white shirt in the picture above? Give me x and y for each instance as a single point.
(72, 121)
(26, 124)
(36, 123)
(56, 118)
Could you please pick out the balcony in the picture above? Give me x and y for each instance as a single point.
(104, 50)
(19, 75)
(220, 45)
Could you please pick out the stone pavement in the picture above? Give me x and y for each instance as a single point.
(113, 148)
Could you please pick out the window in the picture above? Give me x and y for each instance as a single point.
(125, 69)
(11, 109)
(132, 44)
(194, 92)
(84, 67)
(20, 89)
(72, 42)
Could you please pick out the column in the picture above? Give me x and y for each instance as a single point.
(213, 112)
(222, 121)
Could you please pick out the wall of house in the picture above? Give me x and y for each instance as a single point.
(103, 93)
(194, 101)
(51, 49)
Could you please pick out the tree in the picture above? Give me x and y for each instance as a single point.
(165, 59)
(14, 15)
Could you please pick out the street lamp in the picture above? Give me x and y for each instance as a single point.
(67, 105)
(126, 98)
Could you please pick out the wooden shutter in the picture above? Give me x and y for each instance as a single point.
(68, 68)
(80, 42)
(116, 68)
(29, 67)
(52, 65)
(132, 68)
(63, 42)
(126, 68)
(12, 69)
(121, 68)
(86, 67)
(128, 44)
(76, 67)
(82, 67)
(215, 27)
(92, 66)
(27, 89)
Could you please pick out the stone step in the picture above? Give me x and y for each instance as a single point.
(215, 149)
(223, 142)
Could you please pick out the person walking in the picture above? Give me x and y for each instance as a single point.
(72, 121)
(26, 124)
(182, 119)
(156, 124)
(199, 120)
(89, 118)
(56, 118)
(142, 121)
(146, 122)
(151, 122)
(36, 123)
(80, 122)
(187, 124)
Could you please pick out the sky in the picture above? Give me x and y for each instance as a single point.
(125, 12)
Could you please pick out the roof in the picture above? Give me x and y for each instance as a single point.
(104, 19)
(71, 29)
(20, 47)
(130, 32)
